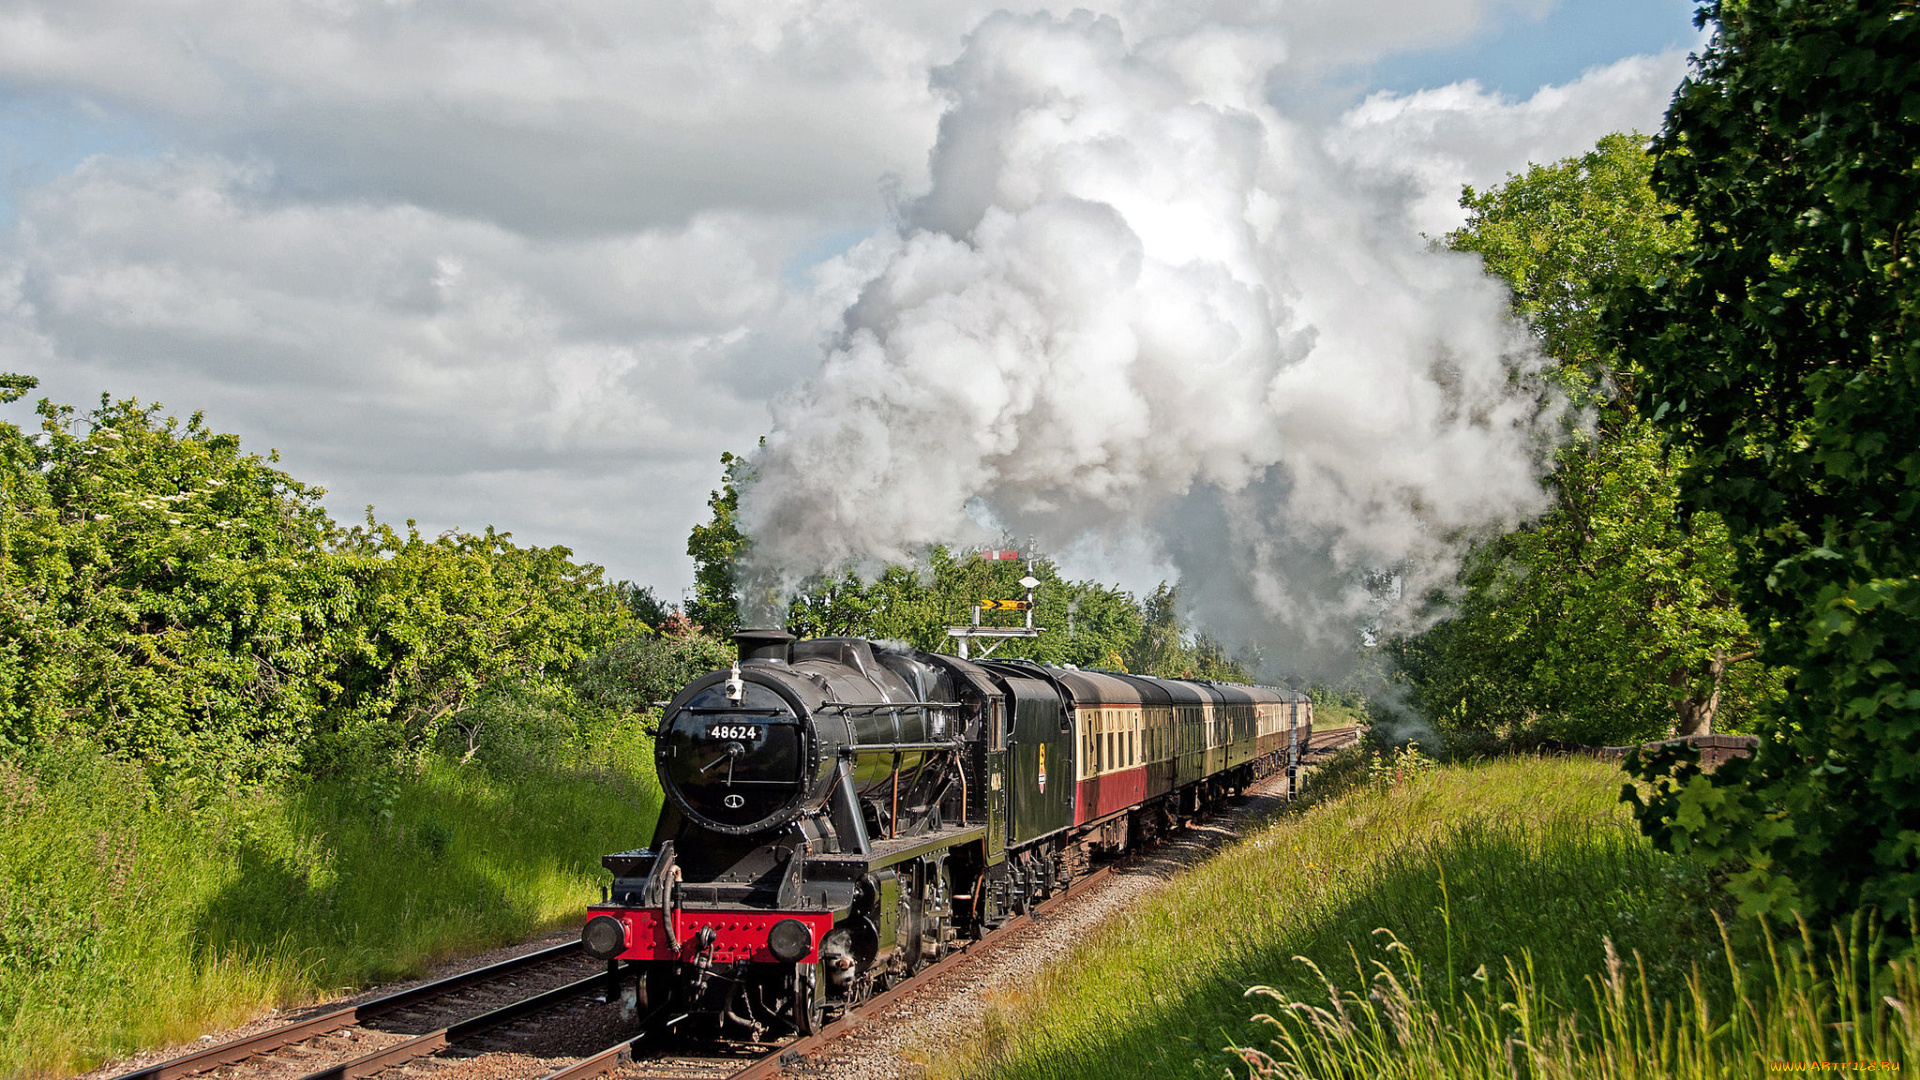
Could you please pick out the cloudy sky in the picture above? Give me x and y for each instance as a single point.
(536, 264)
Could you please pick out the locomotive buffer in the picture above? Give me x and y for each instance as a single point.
(963, 635)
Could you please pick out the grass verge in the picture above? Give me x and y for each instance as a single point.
(1463, 866)
(132, 917)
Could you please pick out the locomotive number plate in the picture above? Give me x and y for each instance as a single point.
(734, 731)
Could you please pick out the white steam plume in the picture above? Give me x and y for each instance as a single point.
(1138, 300)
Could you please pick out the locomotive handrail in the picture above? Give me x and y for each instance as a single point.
(843, 705)
(898, 747)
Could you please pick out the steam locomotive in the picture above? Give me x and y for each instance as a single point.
(840, 811)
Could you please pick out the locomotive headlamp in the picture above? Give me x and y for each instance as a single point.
(604, 936)
(790, 940)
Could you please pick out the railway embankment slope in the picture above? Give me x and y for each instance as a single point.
(136, 918)
(1420, 920)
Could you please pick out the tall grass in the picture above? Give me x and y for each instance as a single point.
(1805, 1009)
(132, 916)
(1465, 866)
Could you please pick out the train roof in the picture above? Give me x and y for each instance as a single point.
(1096, 687)
(1092, 687)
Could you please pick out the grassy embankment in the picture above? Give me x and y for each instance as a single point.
(1437, 922)
(132, 917)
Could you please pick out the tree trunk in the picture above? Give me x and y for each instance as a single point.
(1696, 714)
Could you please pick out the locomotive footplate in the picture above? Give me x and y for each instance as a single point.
(887, 853)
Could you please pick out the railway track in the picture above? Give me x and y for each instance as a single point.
(641, 1057)
(487, 1011)
(1330, 741)
(367, 1038)
(470, 1021)
(646, 1063)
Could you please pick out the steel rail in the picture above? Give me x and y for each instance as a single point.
(611, 1058)
(286, 1035)
(422, 1045)
(627, 1049)
(796, 1052)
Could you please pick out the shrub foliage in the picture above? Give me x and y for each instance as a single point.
(187, 605)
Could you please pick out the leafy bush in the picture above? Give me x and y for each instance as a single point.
(191, 607)
(535, 728)
(638, 670)
(163, 593)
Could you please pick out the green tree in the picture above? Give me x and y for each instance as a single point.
(641, 603)
(1781, 358)
(1612, 619)
(1161, 648)
(1167, 647)
(1564, 236)
(717, 546)
(162, 592)
(437, 622)
(1082, 622)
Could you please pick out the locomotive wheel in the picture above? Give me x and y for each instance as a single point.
(934, 942)
(933, 928)
(652, 987)
(913, 926)
(809, 1006)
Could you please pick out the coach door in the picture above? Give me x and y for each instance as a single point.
(999, 726)
(1040, 761)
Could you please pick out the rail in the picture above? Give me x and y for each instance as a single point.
(421, 1045)
(630, 1050)
(273, 1039)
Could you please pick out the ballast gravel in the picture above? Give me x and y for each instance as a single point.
(894, 1044)
(273, 1018)
(947, 1011)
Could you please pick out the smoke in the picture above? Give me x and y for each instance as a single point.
(1138, 301)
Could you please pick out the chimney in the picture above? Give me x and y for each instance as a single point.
(764, 645)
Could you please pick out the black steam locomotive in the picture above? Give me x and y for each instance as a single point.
(839, 811)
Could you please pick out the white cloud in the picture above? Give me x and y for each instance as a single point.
(389, 349)
(537, 265)
(585, 114)
(1461, 134)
